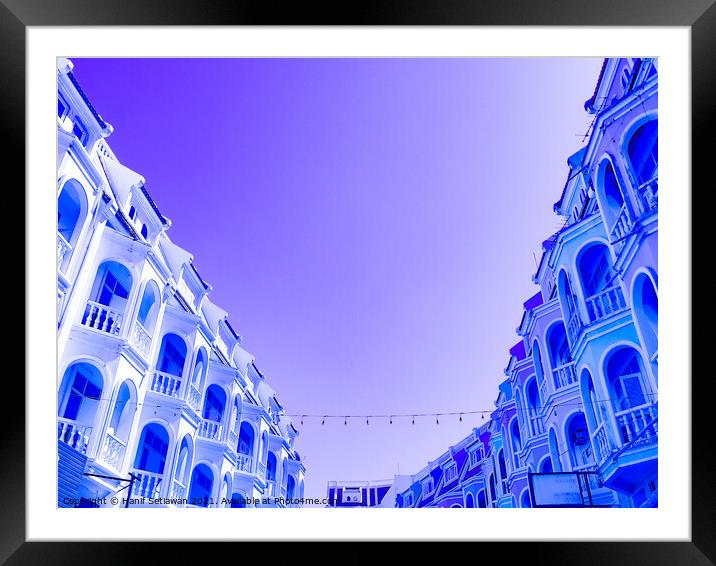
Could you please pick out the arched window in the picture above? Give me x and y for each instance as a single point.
(533, 408)
(144, 231)
(149, 307)
(601, 288)
(578, 441)
(626, 379)
(503, 470)
(271, 467)
(645, 307)
(610, 194)
(469, 501)
(238, 501)
(516, 439)
(172, 355)
(568, 302)
(643, 151)
(202, 482)
(554, 451)
(125, 406)
(545, 466)
(197, 376)
(80, 393)
(537, 360)
(525, 501)
(152, 449)
(559, 356)
(481, 501)
(246, 439)
(263, 448)
(108, 298)
(71, 207)
(493, 493)
(214, 403)
(183, 462)
(290, 487)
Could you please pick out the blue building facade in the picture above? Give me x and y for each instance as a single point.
(581, 384)
(157, 399)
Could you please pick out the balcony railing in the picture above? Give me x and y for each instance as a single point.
(649, 194)
(574, 325)
(638, 420)
(178, 490)
(601, 442)
(605, 303)
(147, 484)
(194, 398)
(74, 434)
(246, 463)
(140, 339)
(536, 425)
(166, 384)
(544, 390)
(113, 451)
(232, 440)
(261, 469)
(564, 375)
(622, 226)
(63, 250)
(101, 317)
(209, 429)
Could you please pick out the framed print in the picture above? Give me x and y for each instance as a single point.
(391, 278)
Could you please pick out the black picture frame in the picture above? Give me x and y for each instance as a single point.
(698, 15)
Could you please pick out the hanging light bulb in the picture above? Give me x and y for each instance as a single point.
(460, 417)
(413, 419)
(436, 420)
(345, 421)
(323, 421)
(483, 416)
(302, 418)
(366, 421)
(391, 419)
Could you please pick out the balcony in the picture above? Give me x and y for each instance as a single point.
(574, 325)
(536, 426)
(209, 429)
(166, 384)
(602, 443)
(261, 469)
(74, 434)
(146, 484)
(113, 451)
(178, 490)
(140, 339)
(194, 398)
(102, 318)
(232, 440)
(649, 195)
(544, 390)
(638, 425)
(246, 463)
(564, 375)
(271, 489)
(623, 225)
(64, 249)
(605, 303)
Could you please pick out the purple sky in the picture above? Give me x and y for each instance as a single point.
(369, 224)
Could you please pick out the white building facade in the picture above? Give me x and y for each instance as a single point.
(156, 397)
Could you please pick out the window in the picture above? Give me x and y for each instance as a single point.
(152, 451)
(111, 287)
(450, 472)
(408, 499)
(132, 212)
(144, 231)
(201, 484)
(80, 131)
(172, 355)
(61, 107)
(643, 152)
(476, 456)
(428, 486)
(214, 403)
(83, 387)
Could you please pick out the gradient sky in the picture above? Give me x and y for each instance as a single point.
(371, 225)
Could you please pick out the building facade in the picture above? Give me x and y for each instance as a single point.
(156, 397)
(376, 493)
(580, 393)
